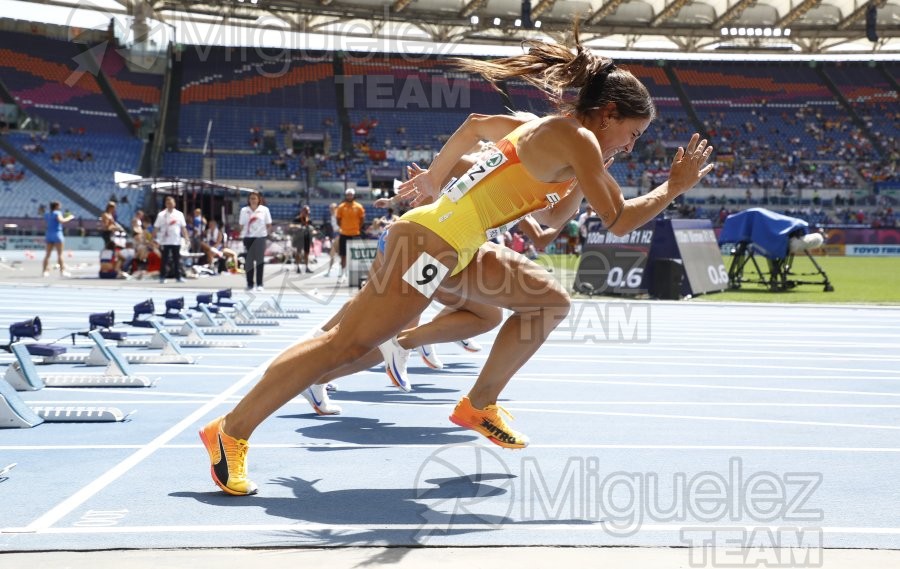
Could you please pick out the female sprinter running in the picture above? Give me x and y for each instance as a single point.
(460, 319)
(433, 247)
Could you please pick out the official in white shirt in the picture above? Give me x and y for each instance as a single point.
(256, 223)
(169, 228)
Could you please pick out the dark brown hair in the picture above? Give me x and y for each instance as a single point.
(554, 69)
(262, 200)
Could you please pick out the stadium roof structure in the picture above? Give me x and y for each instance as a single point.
(805, 27)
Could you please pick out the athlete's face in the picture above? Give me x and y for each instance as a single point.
(620, 135)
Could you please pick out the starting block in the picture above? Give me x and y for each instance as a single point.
(243, 317)
(16, 414)
(193, 339)
(101, 354)
(223, 298)
(23, 375)
(207, 321)
(272, 307)
(268, 310)
(143, 312)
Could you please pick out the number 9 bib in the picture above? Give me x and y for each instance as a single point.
(426, 274)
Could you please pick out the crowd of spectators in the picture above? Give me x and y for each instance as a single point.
(9, 170)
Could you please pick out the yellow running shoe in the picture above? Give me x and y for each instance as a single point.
(228, 459)
(489, 423)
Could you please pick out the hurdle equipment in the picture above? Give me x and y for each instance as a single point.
(16, 414)
(102, 354)
(243, 317)
(194, 339)
(23, 375)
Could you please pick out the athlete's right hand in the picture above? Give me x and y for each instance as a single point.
(420, 189)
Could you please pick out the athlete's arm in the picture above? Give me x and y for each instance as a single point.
(475, 129)
(540, 236)
(621, 216)
(562, 211)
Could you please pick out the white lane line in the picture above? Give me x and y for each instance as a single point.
(120, 402)
(738, 356)
(728, 376)
(381, 446)
(539, 379)
(634, 403)
(708, 418)
(81, 496)
(588, 525)
(694, 363)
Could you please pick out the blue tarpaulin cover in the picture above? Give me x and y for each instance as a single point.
(767, 231)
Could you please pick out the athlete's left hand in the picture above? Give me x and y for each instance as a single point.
(689, 166)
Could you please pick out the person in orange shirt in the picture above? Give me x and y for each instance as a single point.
(350, 217)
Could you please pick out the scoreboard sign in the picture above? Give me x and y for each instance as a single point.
(692, 242)
(610, 264)
(625, 265)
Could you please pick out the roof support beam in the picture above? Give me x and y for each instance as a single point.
(798, 12)
(668, 11)
(603, 11)
(733, 13)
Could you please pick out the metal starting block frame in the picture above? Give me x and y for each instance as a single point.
(272, 309)
(193, 339)
(211, 326)
(16, 414)
(23, 375)
(101, 354)
(244, 317)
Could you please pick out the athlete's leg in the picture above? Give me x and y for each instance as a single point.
(59, 256)
(506, 279)
(376, 314)
(47, 257)
(460, 319)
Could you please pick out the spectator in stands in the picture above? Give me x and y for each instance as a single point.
(303, 232)
(54, 238)
(108, 223)
(350, 218)
(169, 229)
(256, 223)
